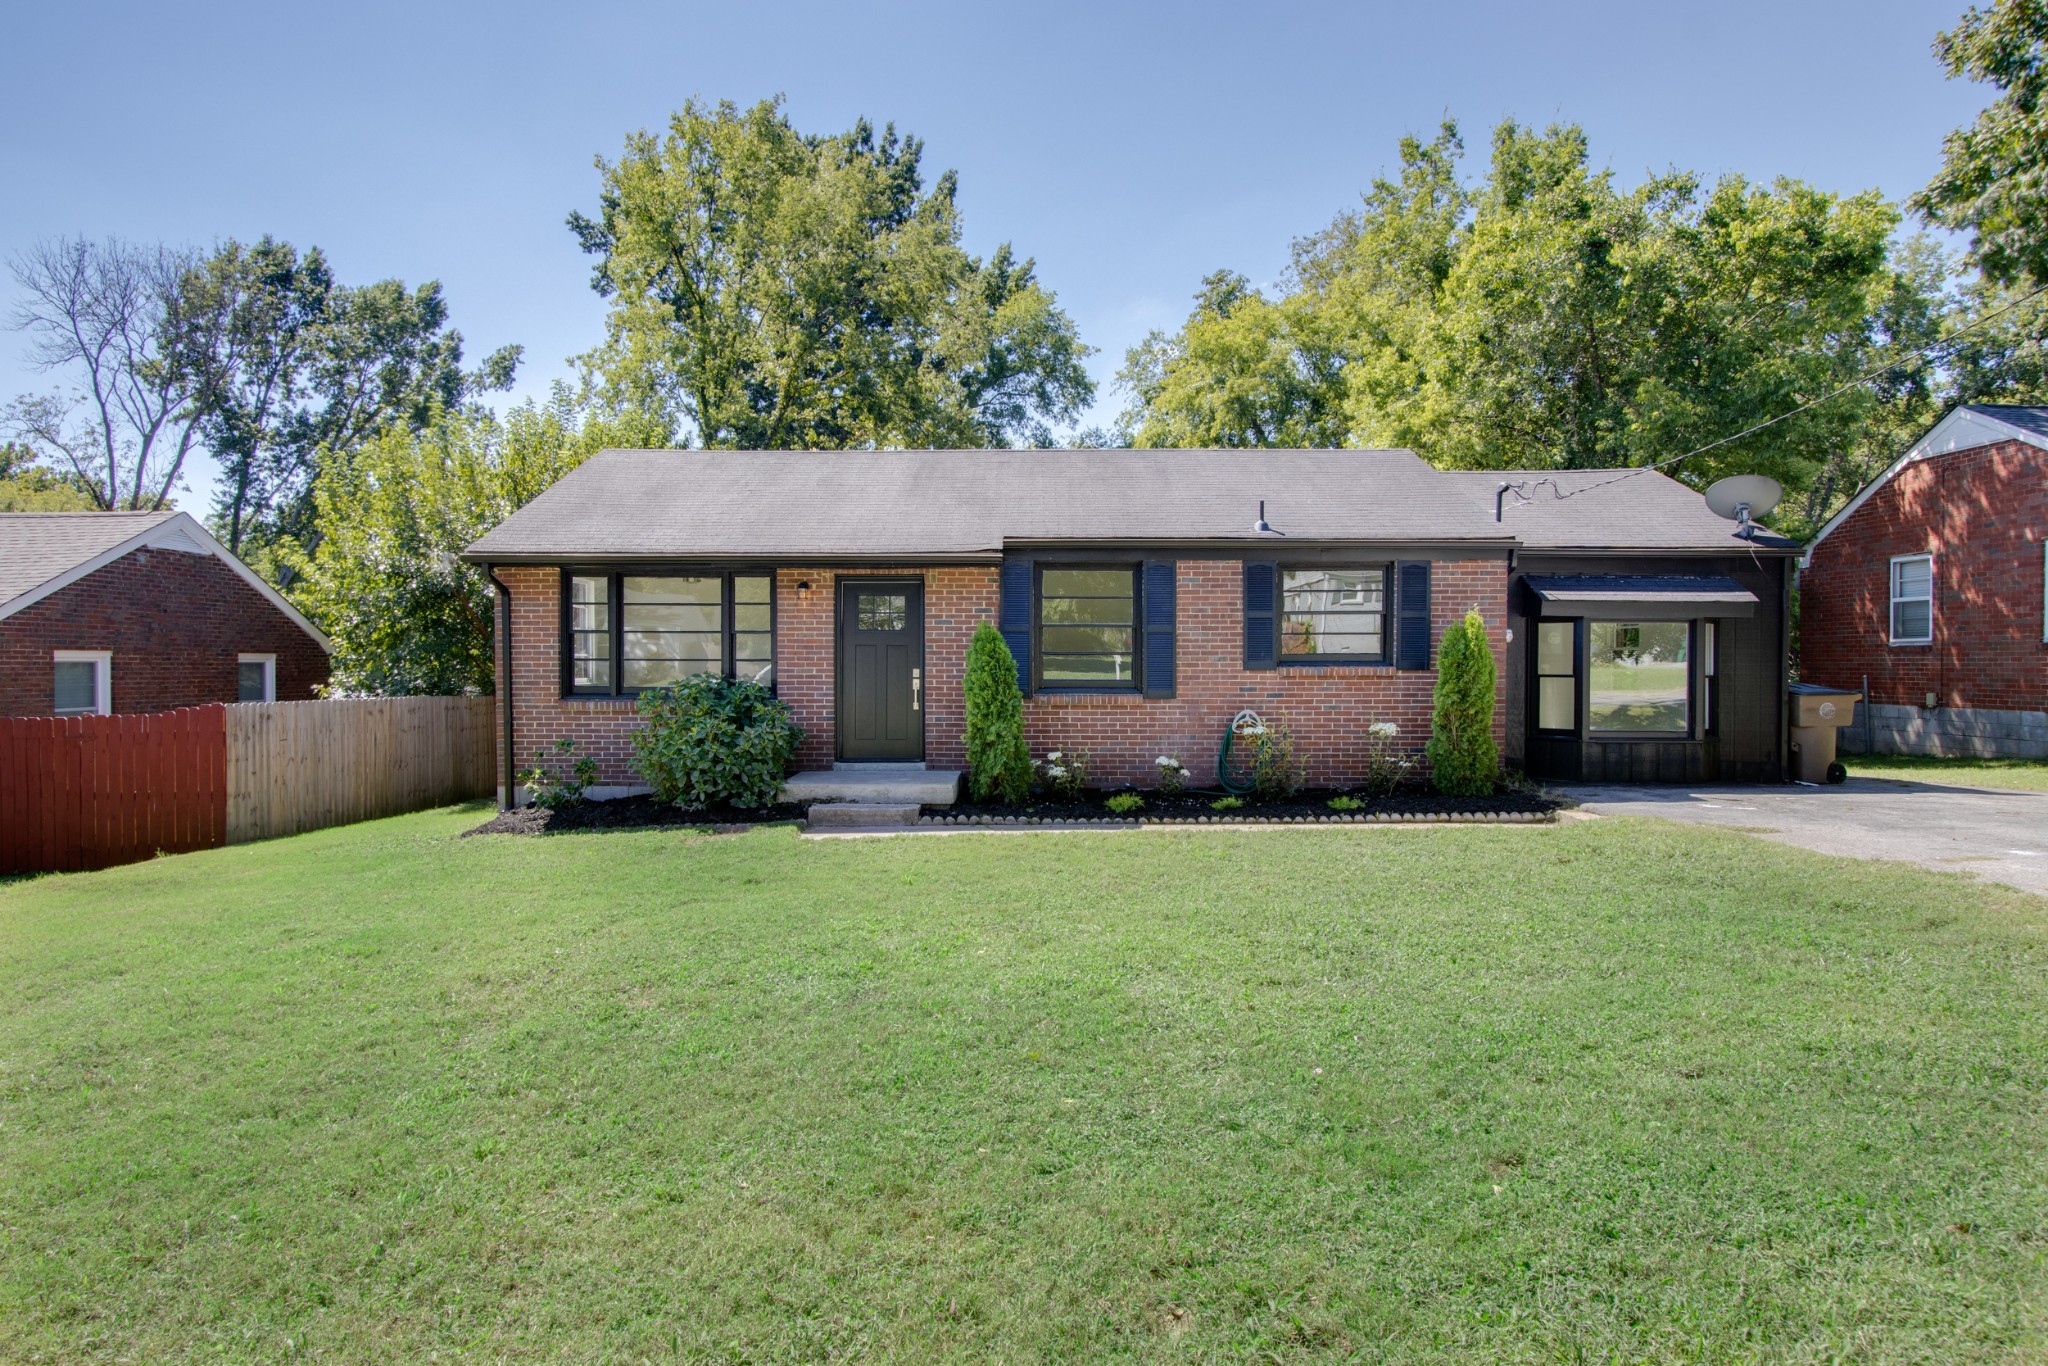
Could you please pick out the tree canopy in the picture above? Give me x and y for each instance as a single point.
(776, 289)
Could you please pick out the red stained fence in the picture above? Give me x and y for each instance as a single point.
(92, 791)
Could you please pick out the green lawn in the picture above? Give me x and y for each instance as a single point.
(2029, 774)
(1612, 1091)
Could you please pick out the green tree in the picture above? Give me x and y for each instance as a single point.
(1993, 182)
(28, 485)
(998, 762)
(1463, 759)
(774, 289)
(405, 615)
(1544, 318)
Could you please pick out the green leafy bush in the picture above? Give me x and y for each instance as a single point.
(998, 764)
(545, 788)
(1226, 804)
(1277, 771)
(1463, 759)
(1344, 803)
(713, 741)
(1173, 775)
(1124, 803)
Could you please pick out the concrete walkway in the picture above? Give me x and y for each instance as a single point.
(1997, 834)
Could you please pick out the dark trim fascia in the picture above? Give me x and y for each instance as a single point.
(1741, 550)
(1273, 548)
(777, 560)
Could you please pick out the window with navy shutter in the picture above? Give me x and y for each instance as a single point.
(1261, 637)
(1412, 601)
(1157, 600)
(1013, 611)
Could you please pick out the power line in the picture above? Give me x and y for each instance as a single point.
(1522, 488)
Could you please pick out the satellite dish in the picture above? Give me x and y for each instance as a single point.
(1744, 497)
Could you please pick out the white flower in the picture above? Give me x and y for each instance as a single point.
(1055, 771)
(1053, 757)
(1165, 762)
(1384, 730)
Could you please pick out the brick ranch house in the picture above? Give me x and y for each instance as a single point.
(1636, 636)
(140, 611)
(1932, 584)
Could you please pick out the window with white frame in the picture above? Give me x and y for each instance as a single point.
(1912, 599)
(83, 682)
(256, 678)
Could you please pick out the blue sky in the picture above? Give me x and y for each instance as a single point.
(1130, 148)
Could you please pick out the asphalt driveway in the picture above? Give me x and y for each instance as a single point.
(1996, 834)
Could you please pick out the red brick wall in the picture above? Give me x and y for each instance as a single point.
(175, 622)
(1326, 708)
(1983, 513)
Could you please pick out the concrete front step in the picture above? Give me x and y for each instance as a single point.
(925, 787)
(864, 815)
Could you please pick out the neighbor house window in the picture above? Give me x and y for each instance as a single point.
(256, 678)
(84, 682)
(626, 632)
(1336, 615)
(1639, 677)
(1913, 600)
(1087, 627)
(1557, 675)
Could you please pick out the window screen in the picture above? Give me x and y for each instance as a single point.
(78, 687)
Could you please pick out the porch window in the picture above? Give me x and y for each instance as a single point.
(1557, 675)
(1913, 600)
(1639, 677)
(1333, 615)
(1087, 628)
(622, 633)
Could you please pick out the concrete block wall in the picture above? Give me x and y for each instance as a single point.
(1954, 732)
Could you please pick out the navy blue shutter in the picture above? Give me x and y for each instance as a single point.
(1411, 639)
(1157, 596)
(1014, 613)
(1261, 587)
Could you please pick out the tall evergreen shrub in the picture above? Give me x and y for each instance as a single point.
(1463, 759)
(998, 764)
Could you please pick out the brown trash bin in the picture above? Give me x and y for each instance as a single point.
(1818, 715)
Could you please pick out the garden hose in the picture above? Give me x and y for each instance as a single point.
(1246, 722)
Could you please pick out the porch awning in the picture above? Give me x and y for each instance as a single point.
(1647, 597)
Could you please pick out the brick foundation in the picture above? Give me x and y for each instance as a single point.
(1327, 708)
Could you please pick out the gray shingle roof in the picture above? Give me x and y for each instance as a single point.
(921, 504)
(2028, 419)
(36, 547)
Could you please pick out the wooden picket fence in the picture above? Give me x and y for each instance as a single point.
(93, 791)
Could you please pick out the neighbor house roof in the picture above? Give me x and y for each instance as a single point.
(881, 505)
(1965, 428)
(45, 552)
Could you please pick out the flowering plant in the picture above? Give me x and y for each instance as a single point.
(1173, 775)
(1063, 775)
(1385, 765)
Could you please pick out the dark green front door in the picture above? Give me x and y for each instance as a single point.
(881, 669)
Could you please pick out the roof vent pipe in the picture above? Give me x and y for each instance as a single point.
(1260, 528)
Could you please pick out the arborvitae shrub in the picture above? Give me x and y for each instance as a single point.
(998, 764)
(1463, 759)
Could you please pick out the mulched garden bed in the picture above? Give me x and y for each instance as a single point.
(1309, 806)
(630, 813)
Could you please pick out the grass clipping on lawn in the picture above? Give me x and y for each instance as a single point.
(1617, 1090)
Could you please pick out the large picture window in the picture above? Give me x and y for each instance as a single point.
(1087, 627)
(625, 632)
(1333, 615)
(1640, 677)
(1913, 600)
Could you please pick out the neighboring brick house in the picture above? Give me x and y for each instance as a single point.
(1638, 637)
(1931, 584)
(140, 611)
